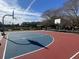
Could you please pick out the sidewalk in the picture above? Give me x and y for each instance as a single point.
(2, 47)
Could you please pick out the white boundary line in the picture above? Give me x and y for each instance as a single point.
(74, 55)
(34, 50)
(5, 49)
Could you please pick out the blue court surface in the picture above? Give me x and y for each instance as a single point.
(24, 42)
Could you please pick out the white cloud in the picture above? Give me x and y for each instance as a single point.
(21, 14)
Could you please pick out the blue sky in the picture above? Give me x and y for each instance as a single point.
(27, 10)
(41, 5)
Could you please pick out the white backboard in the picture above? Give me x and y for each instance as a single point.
(57, 21)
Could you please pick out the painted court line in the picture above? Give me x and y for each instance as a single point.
(33, 51)
(74, 55)
(5, 49)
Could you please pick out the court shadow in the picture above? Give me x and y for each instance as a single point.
(36, 43)
(30, 42)
(18, 43)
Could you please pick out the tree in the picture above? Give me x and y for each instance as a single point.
(71, 9)
(51, 15)
(69, 14)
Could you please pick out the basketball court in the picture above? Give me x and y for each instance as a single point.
(44, 45)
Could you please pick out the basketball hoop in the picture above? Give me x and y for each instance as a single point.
(3, 19)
